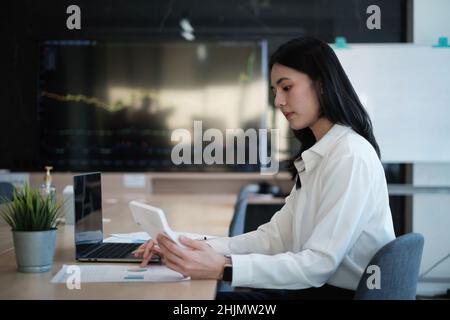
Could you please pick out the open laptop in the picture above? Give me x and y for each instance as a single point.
(89, 245)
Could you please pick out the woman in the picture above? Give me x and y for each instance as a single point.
(335, 218)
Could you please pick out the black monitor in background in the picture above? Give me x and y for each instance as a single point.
(112, 106)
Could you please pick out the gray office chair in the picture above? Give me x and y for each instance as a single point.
(238, 221)
(399, 263)
(6, 191)
(237, 224)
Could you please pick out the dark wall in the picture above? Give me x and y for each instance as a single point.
(24, 23)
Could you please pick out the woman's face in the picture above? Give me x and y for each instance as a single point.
(295, 96)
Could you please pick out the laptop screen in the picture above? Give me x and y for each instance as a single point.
(88, 209)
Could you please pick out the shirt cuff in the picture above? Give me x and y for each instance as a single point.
(242, 270)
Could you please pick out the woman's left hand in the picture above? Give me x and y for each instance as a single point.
(198, 261)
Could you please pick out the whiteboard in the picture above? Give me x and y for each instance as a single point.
(406, 91)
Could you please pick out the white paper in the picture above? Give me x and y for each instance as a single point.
(140, 237)
(132, 236)
(121, 240)
(196, 236)
(120, 273)
(134, 180)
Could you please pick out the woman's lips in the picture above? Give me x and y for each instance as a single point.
(288, 114)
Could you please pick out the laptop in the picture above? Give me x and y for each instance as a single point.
(89, 245)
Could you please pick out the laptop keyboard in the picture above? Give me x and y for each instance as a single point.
(113, 250)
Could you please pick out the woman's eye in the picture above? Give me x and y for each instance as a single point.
(286, 88)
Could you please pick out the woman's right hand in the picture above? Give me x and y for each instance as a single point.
(147, 250)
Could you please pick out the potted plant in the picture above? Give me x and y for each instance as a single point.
(33, 220)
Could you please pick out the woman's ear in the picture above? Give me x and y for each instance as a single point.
(320, 96)
(319, 87)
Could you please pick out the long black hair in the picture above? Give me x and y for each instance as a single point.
(339, 102)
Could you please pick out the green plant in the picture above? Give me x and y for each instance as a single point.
(30, 211)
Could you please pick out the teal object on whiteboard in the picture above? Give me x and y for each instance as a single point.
(341, 43)
(442, 43)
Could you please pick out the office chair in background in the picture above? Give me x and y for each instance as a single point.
(6, 191)
(238, 222)
(399, 263)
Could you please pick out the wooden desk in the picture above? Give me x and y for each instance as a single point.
(209, 214)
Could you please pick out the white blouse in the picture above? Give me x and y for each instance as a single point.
(328, 230)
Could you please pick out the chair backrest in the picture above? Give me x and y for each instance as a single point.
(398, 263)
(238, 221)
(6, 191)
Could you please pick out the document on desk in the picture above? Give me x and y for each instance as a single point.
(140, 237)
(111, 273)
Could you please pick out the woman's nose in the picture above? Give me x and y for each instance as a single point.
(279, 101)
